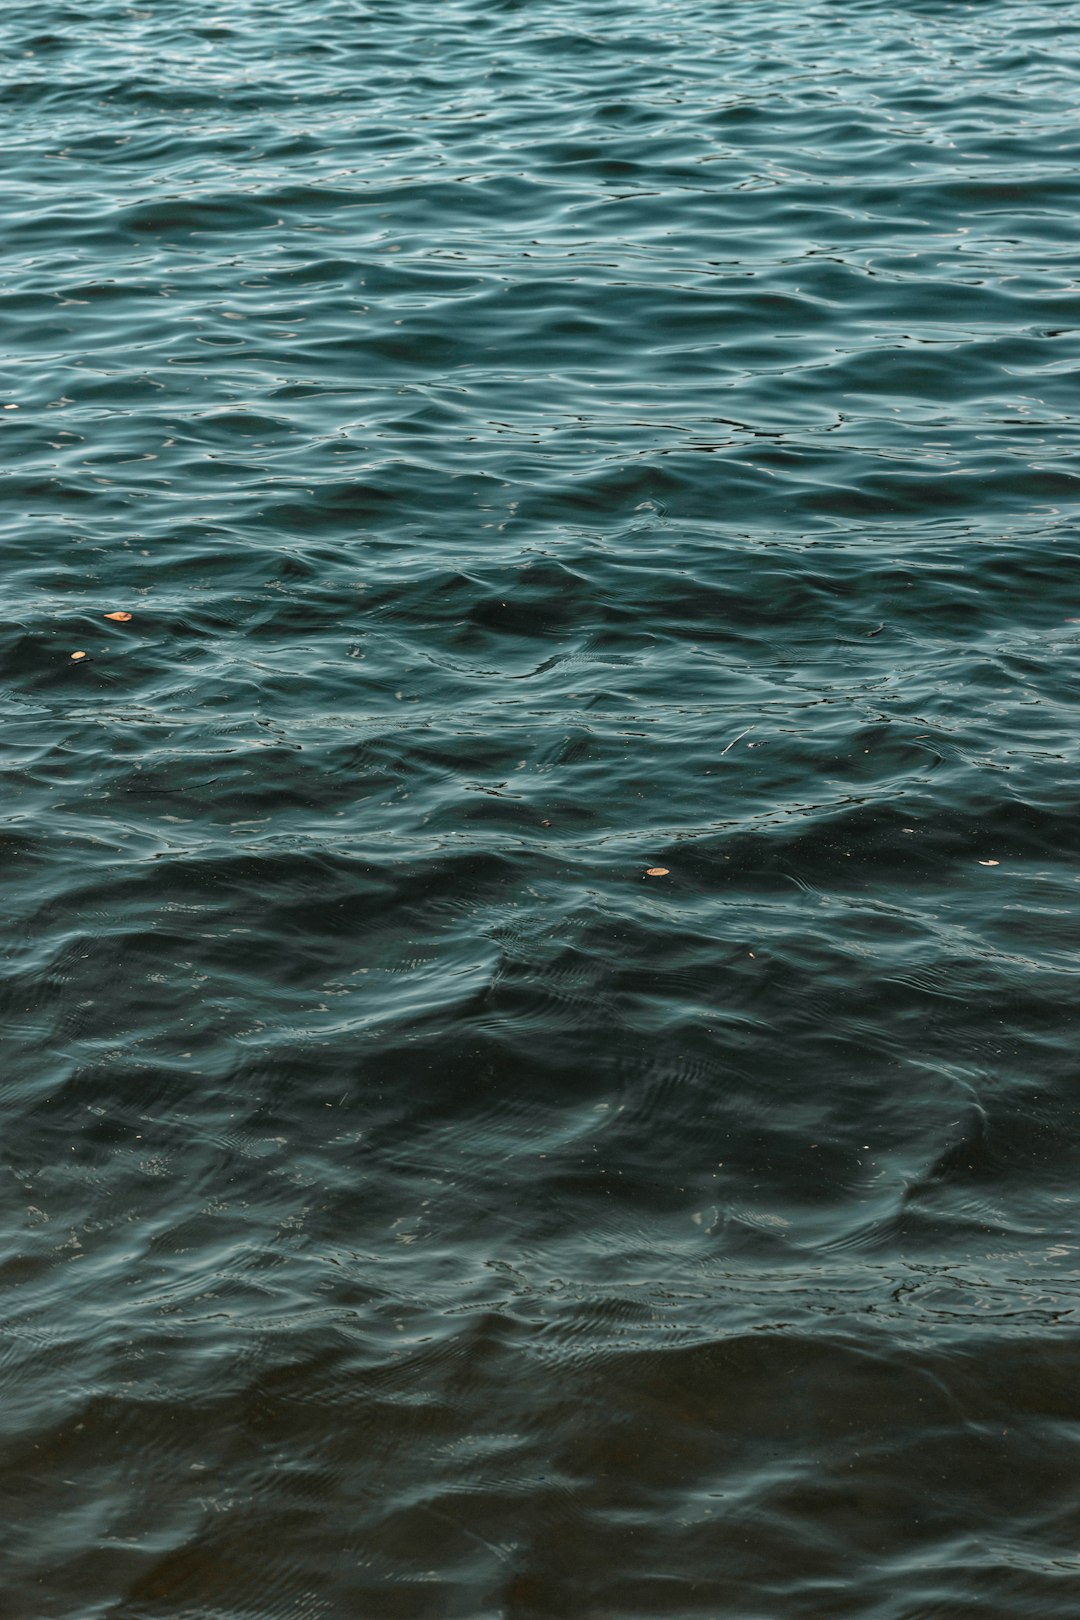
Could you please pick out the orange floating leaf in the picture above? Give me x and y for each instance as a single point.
(119, 618)
(657, 871)
(76, 656)
(989, 863)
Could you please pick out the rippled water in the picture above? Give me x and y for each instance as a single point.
(537, 444)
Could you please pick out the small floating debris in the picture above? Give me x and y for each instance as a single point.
(75, 657)
(989, 863)
(657, 871)
(119, 617)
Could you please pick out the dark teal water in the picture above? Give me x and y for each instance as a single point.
(536, 444)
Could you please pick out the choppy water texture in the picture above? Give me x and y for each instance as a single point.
(537, 443)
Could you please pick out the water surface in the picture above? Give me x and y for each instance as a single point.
(537, 443)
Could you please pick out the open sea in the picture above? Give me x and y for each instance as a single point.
(540, 831)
